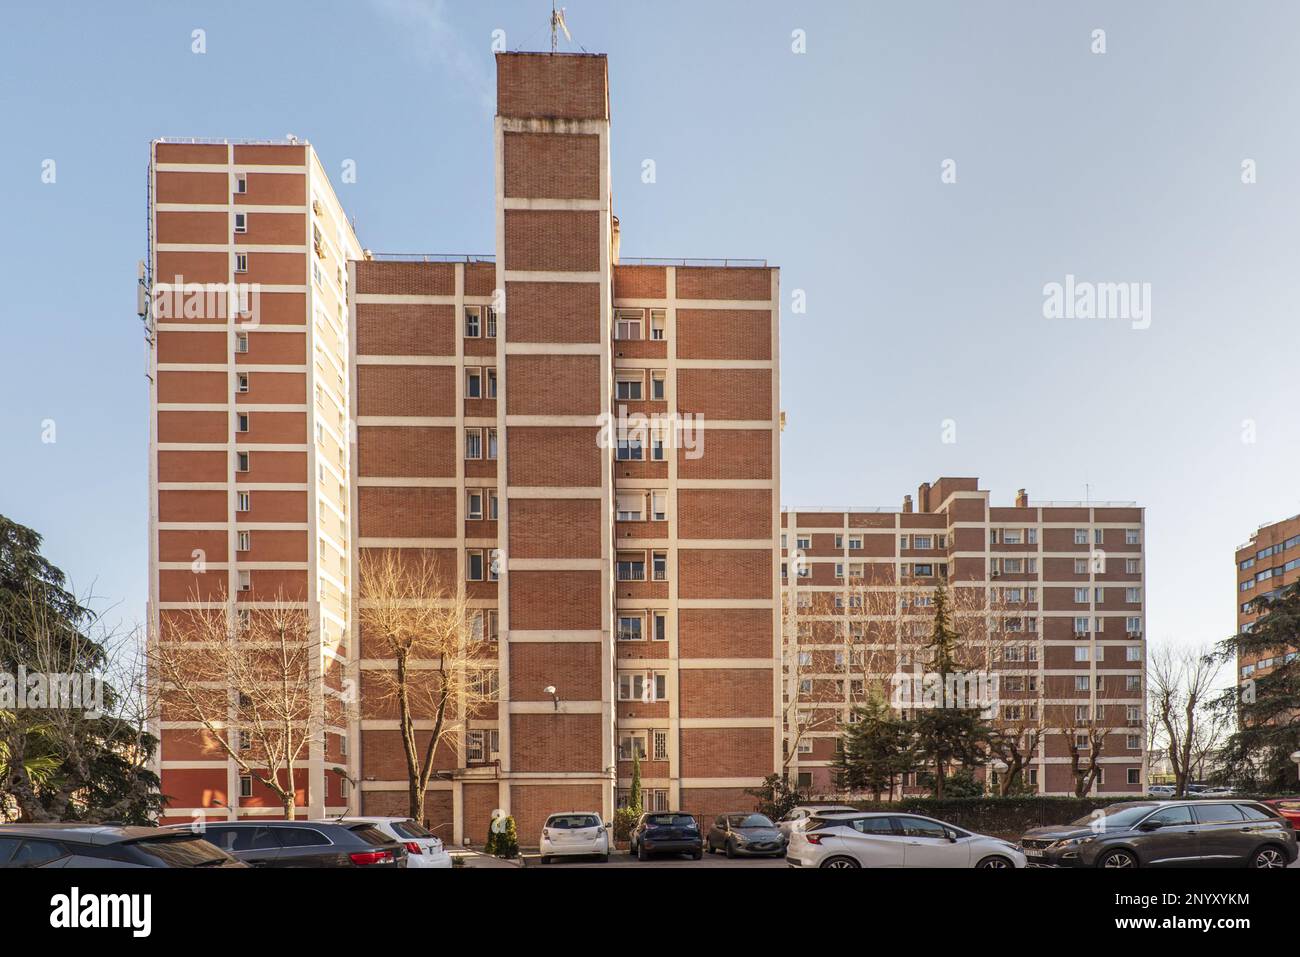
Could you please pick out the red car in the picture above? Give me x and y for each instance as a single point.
(1289, 808)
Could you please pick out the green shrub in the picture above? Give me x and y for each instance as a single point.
(507, 842)
(625, 819)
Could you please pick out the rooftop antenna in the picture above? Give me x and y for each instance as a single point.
(557, 24)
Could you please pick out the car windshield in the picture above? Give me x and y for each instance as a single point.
(1119, 815)
(674, 820)
(183, 850)
(411, 829)
(571, 822)
(750, 820)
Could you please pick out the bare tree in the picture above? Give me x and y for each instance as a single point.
(252, 680)
(1182, 682)
(440, 667)
(1085, 762)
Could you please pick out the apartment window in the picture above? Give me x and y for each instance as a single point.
(241, 185)
(1031, 536)
(244, 541)
(245, 581)
(658, 323)
(631, 567)
(1081, 596)
(632, 744)
(1081, 653)
(491, 443)
(471, 322)
(1132, 595)
(643, 686)
(1132, 682)
(629, 628)
(660, 632)
(1133, 713)
(474, 506)
(1133, 653)
(1082, 715)
(1131, 566)
(473, 443)
(241, 262)
(492, 506)
(660, 745)
(490, 322)
(627, 386)
(657, 447)
(241, 380)
(474, 565)
(1131, 536)
(241, 422)
(241, 222)
(1134, 775)
(631, 506)
(660, 566)
(1011, 536)
(1013, 566)
(1133, 625)
(241, 342)
(491, 378)
(658, 386)
(854, 543)
(628, 325)
(659, 506)
(629, 450)
(1081, 536)
(1081, 566)
(244, 502)
(839, 570)
(241, 461)
(902, 541)
(473, 384)
(1080, 682)
(1099, 595)
(804, 542)
(245, 785)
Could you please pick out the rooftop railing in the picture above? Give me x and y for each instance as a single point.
(650, 261)
(432, 257)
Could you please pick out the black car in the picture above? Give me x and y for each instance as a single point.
(106, 845)
(666, 832)
(304, 843)
(1204, 833)
(745, 833)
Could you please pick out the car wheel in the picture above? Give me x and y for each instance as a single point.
(711, 849)
(841, 863)
(697, 855)
(994, 862)
(1119, 858)
(641, 855)
(546, 859)
(1269, 856)
(604, 858)
(731, 850)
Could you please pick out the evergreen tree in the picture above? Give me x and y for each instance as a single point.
(877, 749)
(1258, 754)
(946, 731)
(634, 796)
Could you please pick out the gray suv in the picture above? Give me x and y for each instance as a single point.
(1203, 833)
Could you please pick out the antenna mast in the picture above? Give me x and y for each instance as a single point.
(557, 24)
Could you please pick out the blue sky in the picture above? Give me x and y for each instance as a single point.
(924, 299)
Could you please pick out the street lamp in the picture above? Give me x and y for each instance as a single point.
(550, 690)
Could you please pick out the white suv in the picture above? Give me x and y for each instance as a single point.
(574, 833)
(894, 839)
(423, 848)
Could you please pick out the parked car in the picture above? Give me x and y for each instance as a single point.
(798, 816)
(1161, 790)
(1220, 790)
(1204, 833)
(574, 833)
(105, 845)
(423, 847)
(666, 832)
(304, 843)
(1289, 808)
(744, 833)
(856, 839)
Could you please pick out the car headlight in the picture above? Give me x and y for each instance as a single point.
(1071, 842)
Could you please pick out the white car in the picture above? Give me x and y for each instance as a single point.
(574, 833)
(887, 839)
(423, 848)
(798, 816)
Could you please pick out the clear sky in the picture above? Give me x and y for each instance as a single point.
(924, 298)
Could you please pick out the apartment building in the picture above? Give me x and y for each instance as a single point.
(249, 466)
(1054, 600)
(592, 444)
(1266, 565)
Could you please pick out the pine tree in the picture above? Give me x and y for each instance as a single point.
(877, 749)
(945, 731)
(1258, 755)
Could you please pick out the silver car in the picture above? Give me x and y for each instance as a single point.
(889, 839)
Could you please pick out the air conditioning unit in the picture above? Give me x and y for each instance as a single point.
(995, 573)
(1135, 634)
